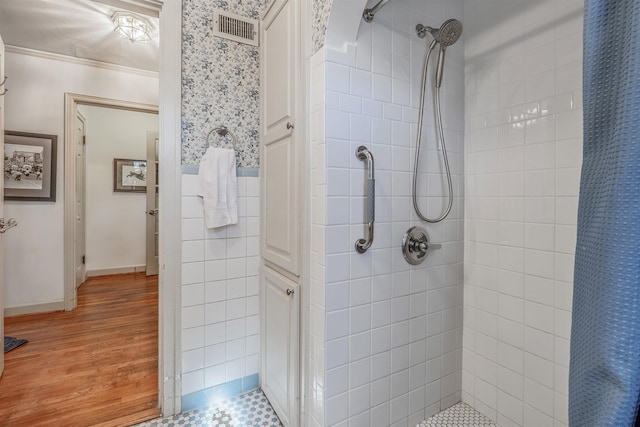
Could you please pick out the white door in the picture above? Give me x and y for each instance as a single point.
(279, 159)
(2, 89)
(281, 307)
(80, 242)
(152, 203)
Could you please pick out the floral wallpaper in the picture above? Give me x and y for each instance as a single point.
(220, 77)
(320, 10)
(220, 82)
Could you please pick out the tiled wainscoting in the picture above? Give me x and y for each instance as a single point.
(220, 302)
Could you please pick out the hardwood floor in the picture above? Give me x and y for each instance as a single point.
(94, 366)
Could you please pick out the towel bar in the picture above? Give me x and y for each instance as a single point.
(222, 131)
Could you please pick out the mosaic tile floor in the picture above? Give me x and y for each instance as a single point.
(248, 410)
(459, 415)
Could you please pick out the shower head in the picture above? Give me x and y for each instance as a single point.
(448, 33)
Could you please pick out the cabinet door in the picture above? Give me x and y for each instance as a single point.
(280, 341)
(279, 159)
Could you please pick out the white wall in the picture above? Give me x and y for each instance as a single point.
(523, 154)
(35, 103)
(392, 331)
(220, 301)
(115, 221)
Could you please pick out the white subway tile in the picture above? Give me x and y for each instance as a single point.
(569, 124)
(193, 251)
(192, 294)
(381, 88)
(193, 316)
(193, 229)
(360, 373)
(337, 78)
(193, 273)
(192, 381)
(214, 355)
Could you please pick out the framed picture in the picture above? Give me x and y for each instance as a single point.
(130, 175)
(30, 166)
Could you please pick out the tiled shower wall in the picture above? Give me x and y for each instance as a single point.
(220, 302)
(393, 332)
(523, 146)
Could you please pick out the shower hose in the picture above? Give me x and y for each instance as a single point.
(439, 133)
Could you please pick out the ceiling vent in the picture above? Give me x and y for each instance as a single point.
(235, 27)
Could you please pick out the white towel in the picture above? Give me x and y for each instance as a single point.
(218, 188)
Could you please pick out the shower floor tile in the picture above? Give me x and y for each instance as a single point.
(459, 415)
(247, 410)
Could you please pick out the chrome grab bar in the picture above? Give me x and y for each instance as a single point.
(363, 153)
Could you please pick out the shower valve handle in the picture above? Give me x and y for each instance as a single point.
(415, 245)
(422, 246)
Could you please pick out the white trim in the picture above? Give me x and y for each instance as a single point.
(34, 308)
(117, 270)
(79, 61)
(169, 362)
(306, 51)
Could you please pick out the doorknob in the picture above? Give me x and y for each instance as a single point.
(153, 212)
(5, 225)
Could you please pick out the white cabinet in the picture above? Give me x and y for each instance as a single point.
(281, 148)
(280, 137)
(280, 344)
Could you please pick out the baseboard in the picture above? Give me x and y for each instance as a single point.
(116, 270)
(204, 398)
(35, 308)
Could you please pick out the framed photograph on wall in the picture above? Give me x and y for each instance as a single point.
(129, 175)
(30, 166)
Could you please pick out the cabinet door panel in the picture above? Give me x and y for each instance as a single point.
(280, 222)
(279, 160)
(280, 343)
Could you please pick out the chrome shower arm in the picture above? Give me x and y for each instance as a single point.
(368, 14)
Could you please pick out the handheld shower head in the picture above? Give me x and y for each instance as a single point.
(448, 33)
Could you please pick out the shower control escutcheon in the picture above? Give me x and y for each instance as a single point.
(416, 245)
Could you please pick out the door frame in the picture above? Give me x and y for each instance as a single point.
(71, 102)
(169, 304)
(83, 238)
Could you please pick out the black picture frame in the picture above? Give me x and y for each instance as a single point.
(30, 161)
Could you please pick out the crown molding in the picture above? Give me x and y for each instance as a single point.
(79, 61)
(143, 7)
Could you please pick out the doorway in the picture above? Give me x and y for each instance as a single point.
(74, 210)
(120, 182)
(170, 28)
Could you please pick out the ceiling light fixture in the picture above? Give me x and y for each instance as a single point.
(131, 27)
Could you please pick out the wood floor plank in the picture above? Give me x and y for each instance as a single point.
(94, 366)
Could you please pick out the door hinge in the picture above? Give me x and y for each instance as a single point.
(84, 259)
(84, 139)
